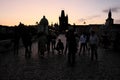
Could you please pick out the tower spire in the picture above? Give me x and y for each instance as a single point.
(109, 20)
(63, 21)
(63, 13)
(110, 14)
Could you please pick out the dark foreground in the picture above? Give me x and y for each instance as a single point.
(54, 66)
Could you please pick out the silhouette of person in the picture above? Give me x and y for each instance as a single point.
(60, 46)
(93, 45)
(42, 40)
(72, 47)
(77, 39)
(66, 45)
(105, 40)
(53, 36)
(48, 42)
(26, 39)
(16, 40)
(83, 39)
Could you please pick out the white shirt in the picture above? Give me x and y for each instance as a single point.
(82, 39)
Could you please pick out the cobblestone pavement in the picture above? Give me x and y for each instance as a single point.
(54, 66)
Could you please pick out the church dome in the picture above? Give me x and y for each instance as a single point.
(43, 21)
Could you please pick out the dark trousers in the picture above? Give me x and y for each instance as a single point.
(82, 47)
(16, 48)
(48, 47)
(71, 58)
(93, 51)
(66, 48)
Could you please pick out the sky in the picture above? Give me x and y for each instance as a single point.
(12, 12)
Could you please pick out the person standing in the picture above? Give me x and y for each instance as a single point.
(26, 39)
(66, 45)
(42, 40)
(48, 42)
(72, 47)
(83, 40)
(16, 40)
(53, 40)
(93, 45)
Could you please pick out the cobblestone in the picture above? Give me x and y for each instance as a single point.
(54, 66)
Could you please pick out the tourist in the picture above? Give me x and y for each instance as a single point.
(93, 45)
(42, 40)
(72, 47)
(83, 39)
(60, 46)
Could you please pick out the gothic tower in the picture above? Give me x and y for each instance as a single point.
(63, 21)
(109, 20)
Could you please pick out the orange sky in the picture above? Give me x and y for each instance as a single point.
(31, 11)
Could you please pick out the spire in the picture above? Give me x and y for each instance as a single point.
(63, 13)
(110, 14)
(109, 20)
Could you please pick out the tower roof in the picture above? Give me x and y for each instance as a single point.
(110, 14)
(43, 21)
(62, 13)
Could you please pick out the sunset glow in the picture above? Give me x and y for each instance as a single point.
(31, 11)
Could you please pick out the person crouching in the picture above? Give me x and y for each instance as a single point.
(60, 46)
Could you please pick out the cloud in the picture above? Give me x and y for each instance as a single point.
(92, 17)
(114, 9)
(88, 18)
(84, 20)
(81, 20)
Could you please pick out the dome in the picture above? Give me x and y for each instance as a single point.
(43, 21)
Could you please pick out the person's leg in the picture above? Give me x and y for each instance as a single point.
(30, 47)
(92, 52)
(42, 52)
(62, 51)
(96, 55)
(52, 46)
(84, 48)
(58, 51)
(38, 48)
(69, 58)
(73, 58)
(66, 47)
(17, 48)
(26, 50)
(48, 48)
(81, 46)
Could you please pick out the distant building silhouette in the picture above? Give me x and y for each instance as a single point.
(110, 30)
(63, 21)
(109, 20)
(43, 25)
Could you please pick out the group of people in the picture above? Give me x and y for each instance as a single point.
(88, 42)
(48, 41)
(22, 33)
